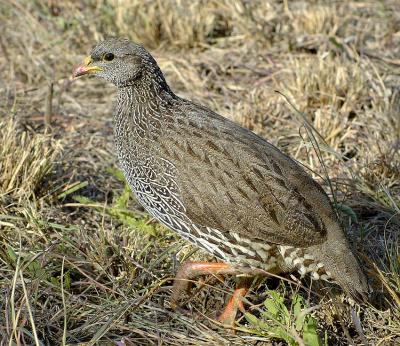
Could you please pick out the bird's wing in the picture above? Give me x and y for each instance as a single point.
(234, 181)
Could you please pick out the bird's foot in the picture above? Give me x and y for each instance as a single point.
(235, 303)
(191, 270)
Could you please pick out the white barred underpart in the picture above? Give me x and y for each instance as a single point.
(241, 252)
(295, 257)
(246, 252)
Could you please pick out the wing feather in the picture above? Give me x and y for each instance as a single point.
(233, 180)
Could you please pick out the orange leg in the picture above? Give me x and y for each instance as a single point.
(190, 270)
(235, 303)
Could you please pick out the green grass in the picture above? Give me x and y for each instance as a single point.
(294, 326)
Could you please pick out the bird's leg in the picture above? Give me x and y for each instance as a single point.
(235, 303)
(190, 270)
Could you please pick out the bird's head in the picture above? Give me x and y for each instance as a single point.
(120, 62)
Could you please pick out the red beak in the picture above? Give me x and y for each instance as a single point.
(85, 68)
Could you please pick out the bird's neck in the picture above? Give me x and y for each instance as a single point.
(142, 108)
(150, 89)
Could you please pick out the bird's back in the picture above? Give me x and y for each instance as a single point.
(233, 180)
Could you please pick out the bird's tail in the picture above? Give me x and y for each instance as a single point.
(345, 270)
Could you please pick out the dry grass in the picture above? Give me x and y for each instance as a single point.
(81, 262)
(25, 160)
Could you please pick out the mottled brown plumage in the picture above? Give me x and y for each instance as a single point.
(216, 183)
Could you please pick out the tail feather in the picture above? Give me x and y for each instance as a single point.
(345, 270)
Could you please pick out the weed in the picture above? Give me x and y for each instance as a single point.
(295, 326)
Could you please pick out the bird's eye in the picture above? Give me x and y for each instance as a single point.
(108, 56)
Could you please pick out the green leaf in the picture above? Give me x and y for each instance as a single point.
(36, 271)
(55, 281)
(345, 209)
(281, 322)
(298, 304)
(67, 280)
(117, 173)
(310, 335)
(272, 308)
(121, 201)
(11, 254)
(281, 333)
(251, 318)
(72, 189)
(84, 200)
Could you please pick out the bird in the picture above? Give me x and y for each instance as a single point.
(217, 184)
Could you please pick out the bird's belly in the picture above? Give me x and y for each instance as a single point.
(255, 254)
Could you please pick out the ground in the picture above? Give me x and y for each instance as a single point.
(80, 261)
